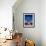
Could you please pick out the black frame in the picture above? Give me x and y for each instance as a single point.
(33, 14)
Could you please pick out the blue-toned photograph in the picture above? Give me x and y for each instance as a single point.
(29, 19)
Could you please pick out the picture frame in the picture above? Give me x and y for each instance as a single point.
(28, 20)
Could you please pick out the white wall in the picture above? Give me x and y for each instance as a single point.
(29, 6)
(6, 13)
(43, 22)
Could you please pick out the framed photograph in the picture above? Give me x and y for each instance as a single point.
(28, 20)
